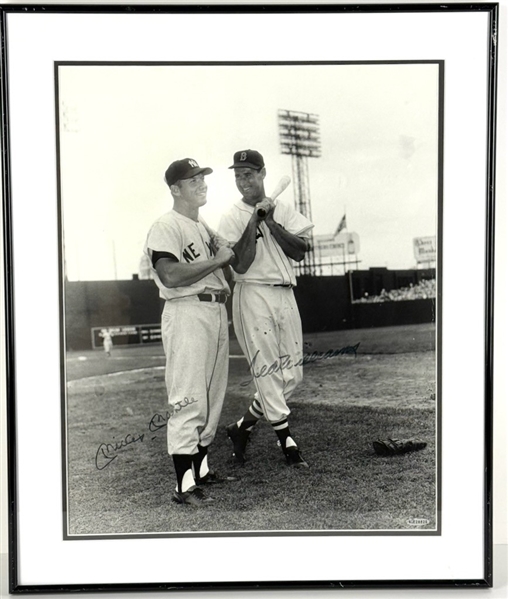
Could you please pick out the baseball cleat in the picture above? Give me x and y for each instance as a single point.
(295, 458)
(194, 498)
(239, 439)
(212, 478)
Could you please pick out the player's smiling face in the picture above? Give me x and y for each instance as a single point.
(193, 191)
(250, 184)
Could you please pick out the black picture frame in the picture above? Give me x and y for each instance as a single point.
(12, 270)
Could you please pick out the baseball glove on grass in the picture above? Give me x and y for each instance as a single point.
(396, 446)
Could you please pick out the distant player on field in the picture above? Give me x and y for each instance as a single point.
(107, 341)
(265, 315)
(187, 261)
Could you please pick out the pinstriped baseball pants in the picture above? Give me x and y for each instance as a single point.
(196, 344)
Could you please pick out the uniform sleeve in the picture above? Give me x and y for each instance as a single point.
(229, 228)
(291, 220)
(163, 237)
(158, 255)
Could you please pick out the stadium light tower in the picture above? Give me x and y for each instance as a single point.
(299, 137)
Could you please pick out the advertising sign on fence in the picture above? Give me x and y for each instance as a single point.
(138, 334)
(337, 246)
(425, 249)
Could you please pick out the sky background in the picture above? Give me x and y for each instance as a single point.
(121, 126)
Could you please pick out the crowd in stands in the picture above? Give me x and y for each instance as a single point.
(423, 290)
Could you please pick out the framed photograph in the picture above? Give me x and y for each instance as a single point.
(239, 243)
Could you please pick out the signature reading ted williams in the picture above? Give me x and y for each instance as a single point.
(108, 452)
(285, 362)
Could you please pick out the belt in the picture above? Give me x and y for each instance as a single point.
(282, 285)
(220, 298)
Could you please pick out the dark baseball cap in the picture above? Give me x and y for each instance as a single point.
(248, 159)
(184, 169)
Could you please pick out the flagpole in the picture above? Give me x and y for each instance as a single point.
(342, 225)
(350, 281)
(346, 237)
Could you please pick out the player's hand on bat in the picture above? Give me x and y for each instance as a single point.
(224, 255)
(264, 209)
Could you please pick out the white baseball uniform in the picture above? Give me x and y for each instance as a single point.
(194, 335)
(107, 341)
(265, 315)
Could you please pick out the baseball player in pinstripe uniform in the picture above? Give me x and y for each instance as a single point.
(265, 315)
(187, 262)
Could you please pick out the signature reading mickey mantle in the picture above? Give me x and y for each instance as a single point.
(107, 452)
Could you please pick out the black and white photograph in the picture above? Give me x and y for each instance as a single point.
(276, 372)
(249, 258)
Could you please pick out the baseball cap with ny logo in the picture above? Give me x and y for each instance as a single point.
(184, 169)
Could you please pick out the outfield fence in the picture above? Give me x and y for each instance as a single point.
(139, 334)
(129, 309)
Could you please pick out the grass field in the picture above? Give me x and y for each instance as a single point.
(387, 389)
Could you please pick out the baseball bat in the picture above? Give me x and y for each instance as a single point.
(279, 188)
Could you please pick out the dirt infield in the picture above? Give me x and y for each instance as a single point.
(359, 381)
(388, 367)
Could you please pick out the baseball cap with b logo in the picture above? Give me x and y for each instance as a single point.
(248, 159)
(184, 169)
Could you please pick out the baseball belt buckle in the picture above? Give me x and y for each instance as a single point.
(219, 298)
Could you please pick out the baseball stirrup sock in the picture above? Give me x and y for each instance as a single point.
(184, 475)
(282, 430)
(200, 462)
(251, 416)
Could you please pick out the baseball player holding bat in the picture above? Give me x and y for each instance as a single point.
(187, 261)
(266, 237)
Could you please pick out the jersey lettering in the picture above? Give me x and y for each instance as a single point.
(189, 253)
(209, 245)
(258, 234)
